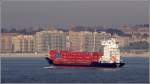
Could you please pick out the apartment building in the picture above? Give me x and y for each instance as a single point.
(87, 41)
(6, 42)
(98, 37)
(23, 44)
(50, 40)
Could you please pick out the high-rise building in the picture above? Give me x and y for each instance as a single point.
(42, 41)
(99, 37)
(6, 42)
(50, 40)
(58, 40)
(87, 41)
(23, 43)
(75, 39)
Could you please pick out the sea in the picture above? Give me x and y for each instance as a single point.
(37, 70)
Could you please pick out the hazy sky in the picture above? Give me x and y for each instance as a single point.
(22, 14)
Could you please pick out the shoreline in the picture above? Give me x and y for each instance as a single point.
(46, 55)
(24, 55)
(136, 55)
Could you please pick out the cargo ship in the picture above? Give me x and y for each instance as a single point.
(110, 57)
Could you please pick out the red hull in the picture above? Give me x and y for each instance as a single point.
(74, 58)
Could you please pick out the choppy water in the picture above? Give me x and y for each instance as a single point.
(35, 70)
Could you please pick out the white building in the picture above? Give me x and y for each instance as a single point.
(6, 42)
(50, 40)
(23, 43)
(87, 41)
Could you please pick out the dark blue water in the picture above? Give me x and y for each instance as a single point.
(31, 70)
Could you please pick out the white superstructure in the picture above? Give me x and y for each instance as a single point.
(111, 51)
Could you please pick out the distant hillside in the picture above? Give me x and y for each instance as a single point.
(75, 28)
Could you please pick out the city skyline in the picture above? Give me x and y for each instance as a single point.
(18, 14)
(74, 41)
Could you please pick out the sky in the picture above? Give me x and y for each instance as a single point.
(63, 13)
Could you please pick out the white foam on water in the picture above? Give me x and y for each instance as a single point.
(49, 67)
